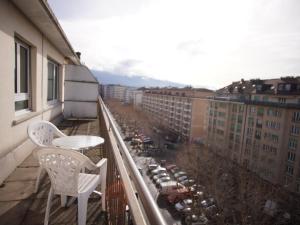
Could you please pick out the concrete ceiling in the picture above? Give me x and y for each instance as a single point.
(41, 15)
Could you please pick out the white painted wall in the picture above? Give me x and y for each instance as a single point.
(81, 92)
(15, 145)
(137, 98)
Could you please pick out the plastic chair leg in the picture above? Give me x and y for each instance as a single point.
(82, 209)
(38, 179)
(63, 200)
(50, 195)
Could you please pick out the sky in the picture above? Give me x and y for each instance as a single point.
(207, 43)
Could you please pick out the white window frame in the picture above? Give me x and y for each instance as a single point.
(56, 80)
(19, 96)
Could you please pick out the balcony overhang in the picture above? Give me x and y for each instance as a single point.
(41, 15)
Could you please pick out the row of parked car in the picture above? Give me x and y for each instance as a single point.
(182, 192)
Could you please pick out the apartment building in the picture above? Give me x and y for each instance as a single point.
(256, 124)
(37, 65)
(137, 97)
(119, 92)
(179, 110)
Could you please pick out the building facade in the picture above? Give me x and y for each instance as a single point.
(118, 92)
(179, 110)
(137, 97)
(256, 124)
(35, 55)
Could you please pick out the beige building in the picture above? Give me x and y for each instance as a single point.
(115, 92)
(36, 58)
(179, 110)
(256, 123)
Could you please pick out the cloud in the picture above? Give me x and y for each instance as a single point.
(205, 43)
(126, 67)
(193, 48)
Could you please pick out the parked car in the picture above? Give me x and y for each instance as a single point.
(182, 178)
(152, 167)
(169, 187)
(208, 202)
(158, 170)
(179, 206)
(198, 195)
(179, 174)
(162, 179)
(197, 187)
(170, 166)
(175, 169)
(186, 211)
(156, 177)
(211, 211)
(194, 219)
(178, 195)
(169, 146)
(188, 183)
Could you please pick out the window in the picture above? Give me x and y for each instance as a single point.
(296, 117)
(289, 170)
(252, 110)
(52, 81)
(222, 114)
(291, 156)
(241, 109)
(260, 111)
(273, 112)
(269, 149)
(249, 131)
(258, 134)
(238, 128)
(273, 125)
(295, 130)
(265, 98)
(22, 77)
(256, 98)
(282, 100)
(288, 87)
(240, 118)
(258, 123)
(250, 121)
(293, 143)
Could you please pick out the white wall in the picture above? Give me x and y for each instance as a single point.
(15, 146)
(137, 98)
(81, 92)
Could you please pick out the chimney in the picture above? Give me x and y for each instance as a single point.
(78, 54)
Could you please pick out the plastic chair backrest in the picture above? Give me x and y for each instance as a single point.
(42, 133)
(63, 167)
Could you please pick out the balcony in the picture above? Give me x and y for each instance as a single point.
(128, 200)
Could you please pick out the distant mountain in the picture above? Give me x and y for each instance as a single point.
(133, 81)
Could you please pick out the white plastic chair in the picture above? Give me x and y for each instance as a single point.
(63, 167)
(42, 133)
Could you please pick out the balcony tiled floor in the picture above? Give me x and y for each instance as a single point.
(20, 206)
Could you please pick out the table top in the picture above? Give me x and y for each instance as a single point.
(78, 142)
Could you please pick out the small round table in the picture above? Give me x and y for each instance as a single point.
(78, 142)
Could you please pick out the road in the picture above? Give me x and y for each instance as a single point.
(166, 209)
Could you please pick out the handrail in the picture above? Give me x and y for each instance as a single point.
(154, 215)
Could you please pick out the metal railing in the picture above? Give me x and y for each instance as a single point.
(128, 197)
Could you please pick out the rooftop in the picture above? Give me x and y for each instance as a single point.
(280, 86)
